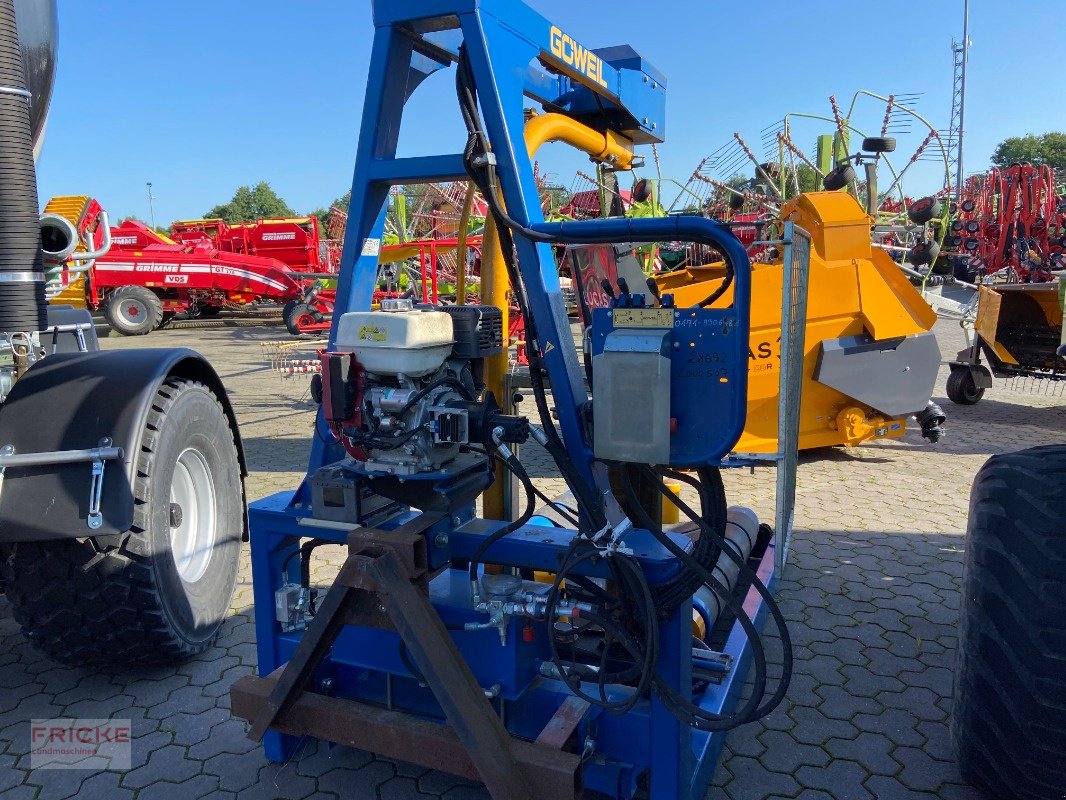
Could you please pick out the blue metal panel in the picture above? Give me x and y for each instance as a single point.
(540, 548)
(646, 740)
(710, 364)
(709, 360)
(419, 169)
(670, 740)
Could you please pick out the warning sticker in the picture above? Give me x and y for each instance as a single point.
(643, 318)
(371, 247)
(372, 333)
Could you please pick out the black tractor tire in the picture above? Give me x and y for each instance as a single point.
(298, 312)
(154, 594)
(879, 144)
(972, 244)
(641, 190)
(133, 310)
(968, 206)
(1010, 686)
(973, 226)
(921, 211)
(923, 253)
(963, 389)
(838, 178)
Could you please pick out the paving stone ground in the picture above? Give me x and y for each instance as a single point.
(872, 597)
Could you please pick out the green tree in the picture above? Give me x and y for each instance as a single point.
(737, 180)
(250, 203)
(808, 181)
(1048, 148)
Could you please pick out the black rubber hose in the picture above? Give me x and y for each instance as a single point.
(589, 505)
(305, 559)
(531, 503)
(758, 585)
(24, 308)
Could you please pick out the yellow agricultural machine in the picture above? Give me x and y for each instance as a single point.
(69, 224)
(1019, 331)
(870, 358)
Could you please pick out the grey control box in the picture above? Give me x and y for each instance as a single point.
(631, 397)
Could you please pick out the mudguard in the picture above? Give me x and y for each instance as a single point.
(70, 401)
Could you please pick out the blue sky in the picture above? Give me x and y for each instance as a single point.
(202, 97)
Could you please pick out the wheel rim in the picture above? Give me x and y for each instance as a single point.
(192, 515)
(132, 312)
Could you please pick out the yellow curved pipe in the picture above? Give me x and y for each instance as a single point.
(615, 150)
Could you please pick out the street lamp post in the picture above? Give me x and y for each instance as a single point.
(151, 205)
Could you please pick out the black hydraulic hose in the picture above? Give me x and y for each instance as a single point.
(722, 288)
(585, 495)
(305, 559)
(760, 587)
(628, 577)
(531, 503)
(304, 554)
(714, 511)
(698, 718)
(23, 307)
(563, 511)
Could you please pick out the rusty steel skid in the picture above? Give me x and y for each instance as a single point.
(344, 678)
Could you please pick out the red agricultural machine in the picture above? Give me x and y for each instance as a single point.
(146, 277)
(1011, 223)
(425, 270)
(295, 241)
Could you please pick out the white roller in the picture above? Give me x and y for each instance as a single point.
(741, 532)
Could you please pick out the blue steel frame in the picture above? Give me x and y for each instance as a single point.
(504, 38)
(365, 664)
